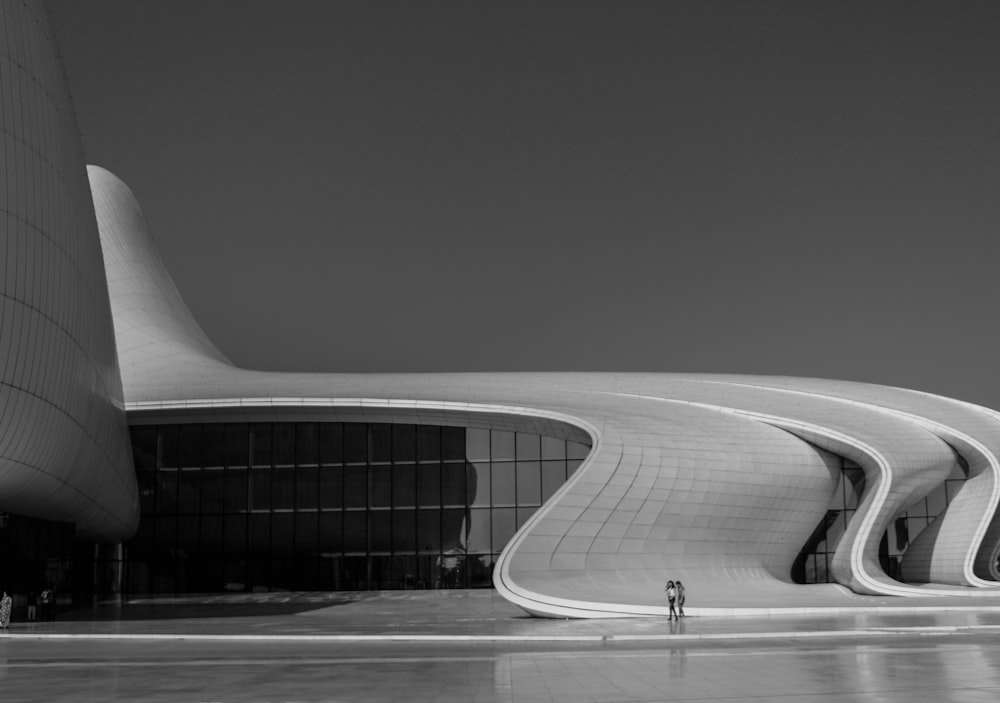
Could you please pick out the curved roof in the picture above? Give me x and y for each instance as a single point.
(715, 480)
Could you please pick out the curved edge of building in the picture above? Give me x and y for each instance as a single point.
(64, 448)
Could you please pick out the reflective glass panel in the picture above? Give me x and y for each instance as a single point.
(380, 530)
(553, 448)
(192, 446)
(236, 534)
(189, 491)
(260, 439)
(429, 485)
(283, 444)
(283, 533)
(260, 533)
(480, 571)
(404, 485)
(330, 533)
(429, 531)
(355, 442)
(529, 483)
(306, 443)
(236, 489)
(576, 450)
(188, 534)
(165, 534)
(477, 444)
(324, 515)
(453, 486)
(404, 443)
(453, 571)
(917, 525)
(502, 479)
(428, 443)
(282, 488)
(141, 545)
(331, 443)
(355, 531)
(260, 489)
(237, 445)
(482, 495)
(169, 447)
(331, 487)
(166, 492)
(147, 492)
(502, 446)
(306, 532)
(380, 442)
(453, 529)
(504, 526)
(937, 501)
(553, 476)
(404, 533)
(307, 488)
(479, 530)
(214, 446)
(355, 487)
(528, 447)
(453, 444)
(381, 477)
(144, 448)
(523, 514)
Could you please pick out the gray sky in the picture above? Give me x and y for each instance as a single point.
(799, 188)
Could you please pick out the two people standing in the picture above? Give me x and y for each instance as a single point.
(675, 597)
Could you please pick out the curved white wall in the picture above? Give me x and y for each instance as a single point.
(64, 451)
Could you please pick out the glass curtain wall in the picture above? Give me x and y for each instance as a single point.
(37, 555)
(813, 562)
(333, 506)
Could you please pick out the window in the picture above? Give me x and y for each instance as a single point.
(302, 505)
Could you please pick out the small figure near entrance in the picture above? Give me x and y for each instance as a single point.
(6, 604)
(671, 590)
(46, 603)
(680, 598)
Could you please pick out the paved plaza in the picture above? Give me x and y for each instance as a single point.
(474, 646)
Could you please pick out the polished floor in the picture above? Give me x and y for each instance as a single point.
(470, 646)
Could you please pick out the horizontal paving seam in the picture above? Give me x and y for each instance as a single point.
(936, 631)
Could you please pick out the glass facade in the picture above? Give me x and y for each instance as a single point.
(40, 554)
(333, 506)
(916, 518)
(813, 562)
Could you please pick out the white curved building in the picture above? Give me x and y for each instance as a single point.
(576, 494)
(64, 452)
(714, 480)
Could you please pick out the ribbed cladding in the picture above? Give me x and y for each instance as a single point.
(154, 327)
(64, 447)
(962, 545)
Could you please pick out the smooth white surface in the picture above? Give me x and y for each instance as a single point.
(64, 448)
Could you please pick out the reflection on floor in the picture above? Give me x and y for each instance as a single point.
(110, 654)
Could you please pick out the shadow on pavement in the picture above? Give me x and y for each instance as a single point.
(220, 608)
